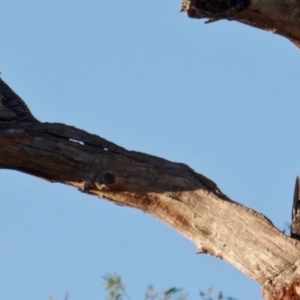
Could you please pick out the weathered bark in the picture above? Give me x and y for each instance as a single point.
(188, 202)
(278, 16)
(285, 286)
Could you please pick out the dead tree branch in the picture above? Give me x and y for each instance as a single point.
(278, 16)
(172, 192)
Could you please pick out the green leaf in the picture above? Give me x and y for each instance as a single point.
(172, 291)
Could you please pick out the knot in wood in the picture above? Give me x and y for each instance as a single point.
(105, 179)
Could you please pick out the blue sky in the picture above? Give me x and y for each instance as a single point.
(222, 98)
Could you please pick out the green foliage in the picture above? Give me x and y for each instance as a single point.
(66, 297)
(115, 288)
(209, 295)
(116, 291)
(171, 294)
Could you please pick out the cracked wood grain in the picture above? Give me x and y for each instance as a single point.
(187, 201)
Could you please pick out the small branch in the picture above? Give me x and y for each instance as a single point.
(278, 16)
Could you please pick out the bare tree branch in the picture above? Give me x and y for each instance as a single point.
(172, 192)
(278, 16)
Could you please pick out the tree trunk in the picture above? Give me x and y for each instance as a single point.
(172, 192)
